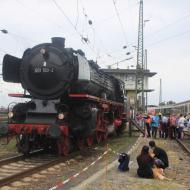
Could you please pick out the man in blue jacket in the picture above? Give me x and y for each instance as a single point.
(154, 124)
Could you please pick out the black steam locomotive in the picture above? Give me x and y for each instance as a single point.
(72, 101)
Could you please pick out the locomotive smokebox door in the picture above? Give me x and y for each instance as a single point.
(47, 70)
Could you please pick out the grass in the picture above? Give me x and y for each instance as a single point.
(10, 147)
(118, 143)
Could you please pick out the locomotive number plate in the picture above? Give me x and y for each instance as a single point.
(43, 70)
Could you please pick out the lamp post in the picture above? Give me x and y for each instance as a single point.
(4, 31)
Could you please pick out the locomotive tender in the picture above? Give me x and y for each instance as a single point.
(72, 101)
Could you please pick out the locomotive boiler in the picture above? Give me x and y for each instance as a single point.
(72, 102)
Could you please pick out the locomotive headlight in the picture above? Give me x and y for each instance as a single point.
(10, 114)
(61, 116)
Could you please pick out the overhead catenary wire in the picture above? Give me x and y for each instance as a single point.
(181, 19)
(120, 61)
(47, 19)
(89, 24)
(169, 38)
(112, 17)
(120, 22)
(17, 38)
(83, 39)
(77, 16)
(25, 39)
(96, 35)
(68, 19)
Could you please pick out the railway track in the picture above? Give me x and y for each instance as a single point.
(17, 167)
(185, 144)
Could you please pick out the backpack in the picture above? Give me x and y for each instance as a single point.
(123, 162)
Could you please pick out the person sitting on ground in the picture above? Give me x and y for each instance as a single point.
(159, 153)
(147, 166)
(145, 163)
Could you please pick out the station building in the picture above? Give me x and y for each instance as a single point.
(128, 76)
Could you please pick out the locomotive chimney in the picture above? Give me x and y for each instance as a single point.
(58, 41)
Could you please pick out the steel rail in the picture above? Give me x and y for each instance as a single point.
(20, 175)
(27, 172)
(183, 146)
(19, 157)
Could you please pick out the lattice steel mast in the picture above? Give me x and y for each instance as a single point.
(139, 83)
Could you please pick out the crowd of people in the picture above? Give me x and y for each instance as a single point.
(165, 126)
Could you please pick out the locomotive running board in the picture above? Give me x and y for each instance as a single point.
(94, 98)
(19, 95)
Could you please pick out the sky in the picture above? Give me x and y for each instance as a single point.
(166, 36)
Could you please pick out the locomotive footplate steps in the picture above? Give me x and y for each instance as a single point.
(19, 95)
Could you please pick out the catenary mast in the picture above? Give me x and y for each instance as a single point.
(139, 82)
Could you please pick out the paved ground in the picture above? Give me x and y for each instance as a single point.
(178, 172)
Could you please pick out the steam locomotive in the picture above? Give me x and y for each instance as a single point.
(72, 102)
